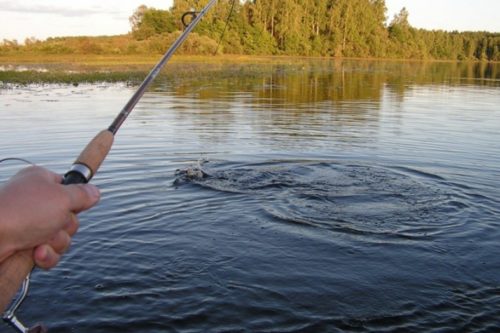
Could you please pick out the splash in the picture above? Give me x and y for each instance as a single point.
(191, 173)
(378, 201)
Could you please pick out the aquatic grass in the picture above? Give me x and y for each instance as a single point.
(131, 60)
(132, 70)
(75, 69)
(24, 74)
(26, 77)
(66, 77)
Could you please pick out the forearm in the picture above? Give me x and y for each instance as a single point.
(13, 271)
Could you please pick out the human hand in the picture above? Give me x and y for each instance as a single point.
(38, 212)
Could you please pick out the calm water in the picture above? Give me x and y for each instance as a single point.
(338, 196)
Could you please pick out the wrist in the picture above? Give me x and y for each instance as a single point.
(7, 247)
(7, 243)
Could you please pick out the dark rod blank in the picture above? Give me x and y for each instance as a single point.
(113, 128)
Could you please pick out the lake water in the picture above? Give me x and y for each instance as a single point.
(338, 196)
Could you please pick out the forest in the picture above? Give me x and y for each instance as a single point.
(326, 28)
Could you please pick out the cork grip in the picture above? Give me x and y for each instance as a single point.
(96, 151)
(13, 271)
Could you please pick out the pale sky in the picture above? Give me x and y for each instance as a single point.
(20, 19)
(461, 15)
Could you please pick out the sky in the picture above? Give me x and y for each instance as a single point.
(49, 18)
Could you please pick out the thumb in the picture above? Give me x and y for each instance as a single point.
(82, 196)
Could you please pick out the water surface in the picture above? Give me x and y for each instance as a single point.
(336, 196)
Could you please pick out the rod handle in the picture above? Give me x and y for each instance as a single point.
(90, 159)
(13, 271)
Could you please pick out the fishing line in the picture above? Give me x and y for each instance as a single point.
(18, 159)
(225, 27)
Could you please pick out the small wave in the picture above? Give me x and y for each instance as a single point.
(418, 173)
(350, 197)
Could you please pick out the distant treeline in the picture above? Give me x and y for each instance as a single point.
(332, 28)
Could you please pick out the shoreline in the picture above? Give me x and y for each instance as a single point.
(134, 60)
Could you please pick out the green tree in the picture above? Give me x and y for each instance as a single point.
(338, 28)
(147, 22)
(399, 28)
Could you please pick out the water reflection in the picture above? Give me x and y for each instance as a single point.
(350, 92)
(299, 84)
(328, 102)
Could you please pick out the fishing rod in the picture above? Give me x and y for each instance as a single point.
(15, 271)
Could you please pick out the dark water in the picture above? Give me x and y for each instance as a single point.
(336, 197)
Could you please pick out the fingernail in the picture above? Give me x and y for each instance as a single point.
(92, 190)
